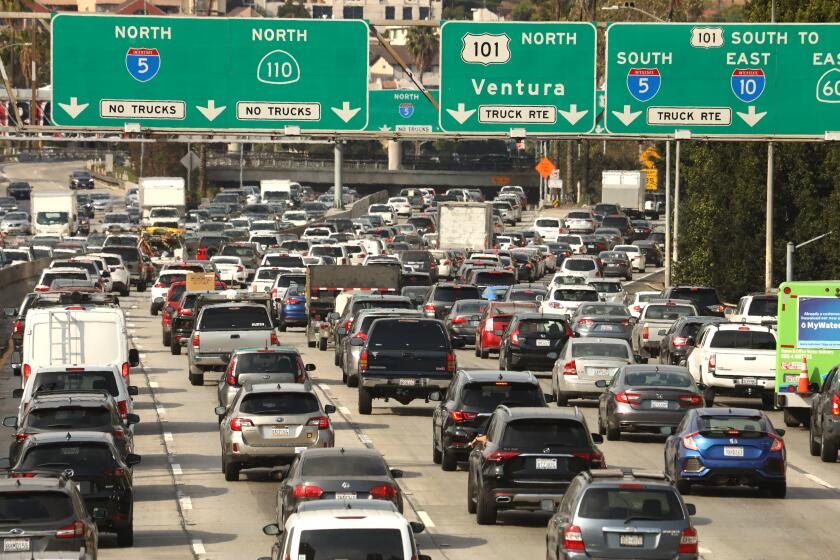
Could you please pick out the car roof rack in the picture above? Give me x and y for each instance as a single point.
(46, 299)
(70, 393)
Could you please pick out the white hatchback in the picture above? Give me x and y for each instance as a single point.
(564, 300)
(401, 206)
(548, 228)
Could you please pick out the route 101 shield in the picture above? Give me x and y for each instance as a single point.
(644, 83)
(748, 83)
(142, 64)
(406, 110)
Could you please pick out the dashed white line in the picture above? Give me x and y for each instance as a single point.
(176, 469)
(365, 439)
(198, 547)
(186, 502)
(818, 480)
(427, 521)
(160, 410)
(344, 410)
(131, 325)
(702, 550)
(133, 307)
(325, 388)
(142, 356)
(167, 436)
(154, 384)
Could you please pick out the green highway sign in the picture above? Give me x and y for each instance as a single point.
(723, 79)
(209, 73)
(402, 110)
(495, 77)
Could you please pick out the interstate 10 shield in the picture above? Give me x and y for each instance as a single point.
(142, 64)
(748, 83)
(644, 83)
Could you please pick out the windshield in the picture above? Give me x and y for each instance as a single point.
(235, 318)
(668, 312)
(603, 310)
(49, 277)
(279, 403)
(324, 250)
(487, 396)
(745, 340)
(267, 362)
(551, 327)
(766, 307)
(51, 218)
(116, 218)
(16, 255)
(600, 350)
(628, 501)
(740, 423)
(80, 457)
(704, 297)
(450, 294)
(579, 265)
(495, 279)
(237, 251)
(163, 213)
(348, 464)
(267, 274)
(350, 544)
(76, 381)
(286, 280)
(414, 334)
(525, 295)
(534, 432)
(548, 223)
(566, 294)
(606, 287)
(69, 417)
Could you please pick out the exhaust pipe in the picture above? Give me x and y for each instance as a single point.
(503, 499)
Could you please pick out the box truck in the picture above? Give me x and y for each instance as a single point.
(465, 225)
(162, 192)
(54, 213)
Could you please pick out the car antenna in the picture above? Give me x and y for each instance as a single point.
(68, 436)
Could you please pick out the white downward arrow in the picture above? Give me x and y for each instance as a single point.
(461, 115)
(573, 115)
(626, 116)
(73, 109)
(751, 117)
(211, 111)
(345, 113)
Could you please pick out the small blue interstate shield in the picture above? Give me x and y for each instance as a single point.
(143, 64)
(644, 83)
(748, 83)
(406, 110)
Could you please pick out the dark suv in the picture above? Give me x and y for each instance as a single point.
(527, 460)
(465, 408)
(104, 478)
(824, 435)
(622, 223)
(19, 189)
(404, 359)
(358, 303)
(533, 340)
(43, 516)
(420, 261)
(675, 347)
(704, 298)
(444, 295)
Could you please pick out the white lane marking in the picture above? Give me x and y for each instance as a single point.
(818, 480)
(142, 356)
(427, 521)
(325, 388)
(344, 410)
(167, 436)
(133, 307)
(365, 439)
(702, 550)
(160, 410)
(131, 325)
(154, 384)
(176, 469)
(198, 547)
(186, 502)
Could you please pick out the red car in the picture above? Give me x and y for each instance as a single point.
(170, 307)
(494, 320)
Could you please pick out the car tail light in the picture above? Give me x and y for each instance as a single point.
(429, 307)
(360, 336)
(691, 400)
(458, 416)
(118, 434)
(274, 339)
(184, 312)
(384, 491)
(570, 368)
(22, 475)
(835, 405)
(196, 341)
(76, 529)
(18, 326)
(459, 320)
(236, 424)
(363, 361)
(678, 341)
(628, 398)
(488, 325)
(118, 472)
(514, 337)
(321, 421)
(450, 362)
(138, 268)
(274, 293)
(586, 322)
(713, 361)
(240, 268)
(231, 380)
(21, 437)
(637, 308)
(159, 285)
(595, 459)
(307, 491)
(290, 301)
(122, 408)
(573, 538)
(777, 444)
(42, 288)
(688, 541)
(689, 443)
(27, 371)
(499, 456)
(645, 333)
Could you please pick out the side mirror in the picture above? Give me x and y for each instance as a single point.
(272, 529)
(357, 342)
(549, 398)
(220, 411)
(17, 393)
(396, 473)
(99, 514)
(435, 396)
(597, 438)
(781, 432)
(133, 357)
(417, 527)
(814, 387)
(691, 508)
(601, 383)
(309, 367)
(329, 408)
(133, 391)
(132, 459)
(131, 419)
(10, 421)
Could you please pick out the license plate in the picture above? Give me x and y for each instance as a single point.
(15, 545)
(279, 432)
(791, 378)
(631, 540)
(607, 328)
(748, 381)
(600, 371)
(406, 382)
(733, 451)
(659, 404)
(541, 342)
(546, 464)
(345, 495)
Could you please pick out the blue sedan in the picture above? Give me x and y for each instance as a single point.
(727, 447)
(291, 310)
(494, 293)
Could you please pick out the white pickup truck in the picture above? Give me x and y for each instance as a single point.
(735, 360)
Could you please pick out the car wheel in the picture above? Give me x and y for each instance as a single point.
(167, 338)
(485, 511)
(813, 444)
(125, 292)
(483, 353)
(141, 287)
(337, 358)
(125, 535)
(281, 327)
(477, 352)
(561, 399)
(343, 376)
(768, 401)
(175, 349)
(828, 450)
(352, 380)
(437, 456)
(613, 434)
(365, 401)
(196, 378)
(231, 472)
(322, 344)
(449, 462)
(310, 343)
(601, 429)
(683, 486)
(791, 421)
(153, 310)
(776, 489)
(470, 494)
(709, 396)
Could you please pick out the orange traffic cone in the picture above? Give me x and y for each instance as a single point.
(802, 386)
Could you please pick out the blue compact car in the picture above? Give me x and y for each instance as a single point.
(494, 293)
(291, 310)
(727, 447)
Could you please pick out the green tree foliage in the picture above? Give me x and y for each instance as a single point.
(293, 10)
(423, 46)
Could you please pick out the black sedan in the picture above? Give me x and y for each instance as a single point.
(81, 180)
(616, 264)
(19, 190)
(336, 473)
(677, 343)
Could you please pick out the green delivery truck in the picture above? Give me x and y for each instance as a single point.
(809, 329)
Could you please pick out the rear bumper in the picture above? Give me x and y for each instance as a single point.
(732, 385)
(456, 439)
(529, 499)
(538, 358)
(249, 456)
(420, 387)
(211, 359)
(728, 473)
(648, 421)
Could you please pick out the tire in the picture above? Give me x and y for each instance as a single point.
(483, 353)
(124, 292)
(477, 351)
(683, 486)
(601, 429)
(175, 349)
(343, 376)
(197, 379)
(282, 327)
(561, 399)
(141, 287)
(437, 456)
(125, 535)
(768, 401)
(485, 510)
(337, 358)
(449, 462)
(776, 490)
(828, 450)
(352, 381)
(322, 344)
(470, 492)
(709, 396)
(814, 446)
(167, 338)
(153, 311)
(791, 421)
(365, 401)
(613, 434)
(310, 343)
(231, 472)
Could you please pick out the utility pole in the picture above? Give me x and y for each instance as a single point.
(677, 207)
(768, 225)
(667, 213)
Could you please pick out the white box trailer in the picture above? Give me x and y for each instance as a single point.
(625, 188)
(157, 192)
(465, 225)
(53, 213)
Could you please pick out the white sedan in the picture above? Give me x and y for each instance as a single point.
(638, 259)
(401, 206)
(384, 211)
(231, 270)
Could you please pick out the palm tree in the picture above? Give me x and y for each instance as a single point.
(423, 46)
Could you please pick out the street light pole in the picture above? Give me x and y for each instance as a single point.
(632, 8)
(791, 249)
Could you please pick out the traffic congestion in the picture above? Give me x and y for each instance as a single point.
(258, 375)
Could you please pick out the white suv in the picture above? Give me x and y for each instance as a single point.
(549, 228)
(346, 529)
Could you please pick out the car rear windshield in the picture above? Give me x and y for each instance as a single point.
(34, 507)
(169, 279)
(267, 362)
(350, 544)
(267, 274)
(495, 278)
(287, 261)
(487, 396)
(631, 501)
(551, 327)
(723, 423)
(616, 222)
(279, 403)
(579, 265)
(578, 216)
(325, 250)
(286, 280)
(416, 256)
(69, 418)
(606, 287)
(129, 254)
(470, 307)
(667, 312)
(525, 295)
(701, 296)
(382, 304)
(603, 310)
(548, 223)
(451, 294)
(600, 350)
(348, 464)
(571, 294)
(745, 340)
(235, 318)
(76, 381)
(766, 307)
(237, 251)
(80, 457)
(415, 334)
(658, 379)
(542, 432)
(50, 277)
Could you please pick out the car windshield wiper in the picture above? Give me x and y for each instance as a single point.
(641, 518)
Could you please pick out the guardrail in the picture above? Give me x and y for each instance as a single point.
(17, 281)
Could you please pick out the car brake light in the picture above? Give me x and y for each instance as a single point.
(573, 539)
(628, 398)
(363, 361)
(429, 307)
(637, 308)
(21, 437)
(274, 339)
(688, 541)
(321, 421)
(118, 434)
(27, 371)
(458, 416)
(689, 443)
(196, 341)
(450, 362)
(713, 361)
(240, 268)
(586, 322)
(514, 337)
(690, 400)
(184, 312)
(778, 444)
(570, 368)
(384, 491)
(18, 326)
(236, 424)
(42, 288)
(122, 407)
(76, 529)
(125, 369)
(307, 491)
(459, 320)
(678, 341)
(230, 379)
(360, 336)
(118, 472)
(595, 459)
(645, 333)
(499, 456)
(835, 405)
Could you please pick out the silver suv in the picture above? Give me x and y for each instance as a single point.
(614, 513)
(269, 424)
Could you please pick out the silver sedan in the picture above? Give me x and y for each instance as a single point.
(583, 362)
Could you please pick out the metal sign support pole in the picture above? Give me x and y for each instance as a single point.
(241, 162)
(768, 234)
(339, 162)
(677, 207)
(667, 213)
(189, 167)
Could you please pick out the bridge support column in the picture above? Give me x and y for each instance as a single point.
(394, 155)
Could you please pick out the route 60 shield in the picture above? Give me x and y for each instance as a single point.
(406, 110)
(644, 83)
(142, 64)
(748, 83)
